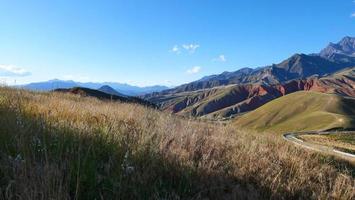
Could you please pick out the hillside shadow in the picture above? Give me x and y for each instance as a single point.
(41, 160)
(347, 107)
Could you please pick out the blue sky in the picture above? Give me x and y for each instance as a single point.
(169, 42)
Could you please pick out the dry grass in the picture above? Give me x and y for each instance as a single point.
(55, 146)
(340, 141)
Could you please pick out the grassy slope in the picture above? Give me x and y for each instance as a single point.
(211, 103)
(59, 146)
(302, 111)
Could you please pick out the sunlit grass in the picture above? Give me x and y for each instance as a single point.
(57, 146)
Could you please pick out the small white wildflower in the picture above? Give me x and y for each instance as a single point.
(126, 166)
(19, 158)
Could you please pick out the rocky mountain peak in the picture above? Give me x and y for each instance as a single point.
(345, 47)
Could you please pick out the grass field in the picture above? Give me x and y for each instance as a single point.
(302, 111)
(60, 146)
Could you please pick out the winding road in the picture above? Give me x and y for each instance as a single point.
(292, 137)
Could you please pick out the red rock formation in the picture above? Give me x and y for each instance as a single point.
(234, 99)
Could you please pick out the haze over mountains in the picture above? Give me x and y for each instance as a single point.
(232, 93)
(124, 89)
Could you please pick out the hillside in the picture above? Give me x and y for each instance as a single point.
(226, 101)
(56, 146)
(302, 111)
(86, 92)
(109, 90)
(233, 99)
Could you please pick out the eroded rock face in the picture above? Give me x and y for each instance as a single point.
(234, 99)
(298, 66)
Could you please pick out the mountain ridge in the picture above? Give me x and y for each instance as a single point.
(297, 66)
(231, 100)
(345, 47)
(109, 90)
(232, 93)
(122, 88)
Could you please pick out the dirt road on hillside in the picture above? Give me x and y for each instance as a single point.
(292, 137)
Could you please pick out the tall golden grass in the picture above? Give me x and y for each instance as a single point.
(57, 146)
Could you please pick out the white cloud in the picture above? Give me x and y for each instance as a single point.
(194, 70)
(352, 15)
(175, 49)
(220, 58)
(191, 48)
(13, 71)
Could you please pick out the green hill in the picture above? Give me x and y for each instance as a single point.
(302, 111)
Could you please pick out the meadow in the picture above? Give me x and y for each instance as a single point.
(61, 146)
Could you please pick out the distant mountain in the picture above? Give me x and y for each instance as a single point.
(297, 66)
(86, 92)
(109, 90)
(232, 93)
(50, 85)
(333, 58)
(231, 100)
(346, 47)
(125, 89)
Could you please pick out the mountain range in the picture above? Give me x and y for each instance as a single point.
(331, 59)
(124, 89)
(232, 93)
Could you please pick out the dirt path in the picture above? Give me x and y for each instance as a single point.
(292, 137)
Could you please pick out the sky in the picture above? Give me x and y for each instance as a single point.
(165, 42)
